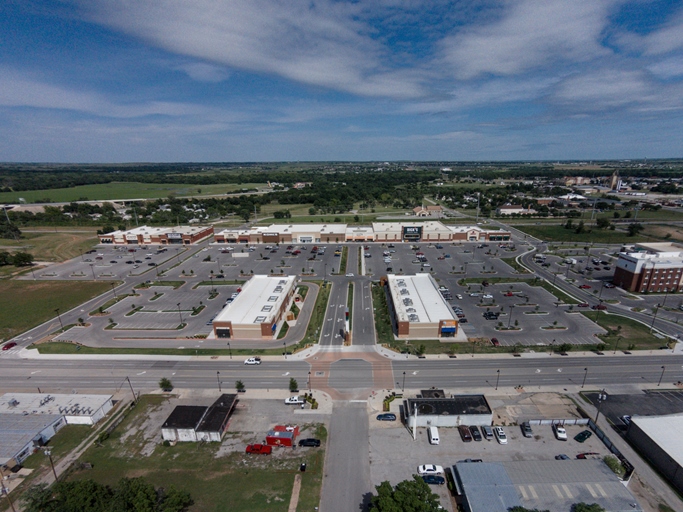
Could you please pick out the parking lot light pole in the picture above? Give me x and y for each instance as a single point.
(584, 377)
(218, 379)
(180, 314)
(497, 378)
(510, 315)
(403, 388)
(92, 269)
(113, 289)
(229, 350)
(661, 376)
(59, 317)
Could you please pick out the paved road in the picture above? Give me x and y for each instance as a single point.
(346, 484)
(363, 317)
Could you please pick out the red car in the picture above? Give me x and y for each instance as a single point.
(495, 342)
(583, 305)
(262, 449)
(600, 307)
(9, 346)
(584, 286)
(509, 294)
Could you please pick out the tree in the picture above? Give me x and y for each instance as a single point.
(408, 496)
(293, 384)
(239, 386)
(634, 228)
(8, 230)
(524, 509)
(602, 223)
(22, 259)
(165, 384)
(580, 228)
(584, 507)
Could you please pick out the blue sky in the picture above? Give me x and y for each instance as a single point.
(274, 80)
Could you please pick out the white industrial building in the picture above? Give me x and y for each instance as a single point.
(76, 409)
(457, 410)
(20, 435)
(257, 310)
(419, 310)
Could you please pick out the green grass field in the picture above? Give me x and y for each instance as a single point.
(557, 233)
(217, 482)
(48, 245)
(124, 190)
(25, 304)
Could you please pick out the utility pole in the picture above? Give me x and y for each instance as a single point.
(135, 400)
(4, 490)
(59, 317)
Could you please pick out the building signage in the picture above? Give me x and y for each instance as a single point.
(271, 234)
(412, 232)
(174, 235)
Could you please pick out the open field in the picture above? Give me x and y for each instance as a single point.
(25, 304)
(123, 190)
(630, 334)
(559, 234)
(52, 246)
(58, 347)
(218, 475)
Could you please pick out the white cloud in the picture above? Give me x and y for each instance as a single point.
(202, 72)
(317, 43)
(529, 34)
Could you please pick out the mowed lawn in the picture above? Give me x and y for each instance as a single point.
(222, 482)
(124, 190)
(25, 304)
(557, 233)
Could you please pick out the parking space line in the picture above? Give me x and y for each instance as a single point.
(557, 491)
(523, 491)
(567, 492)
(590, 490)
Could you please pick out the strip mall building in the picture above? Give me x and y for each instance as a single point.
(430, 231)
(179, 235)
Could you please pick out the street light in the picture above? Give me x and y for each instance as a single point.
(60, 318)
(48, 453)
(584, 377)
(180, 314)
(403, 388)
(229, 350)
(512, 307)
(616, 343)
(497, 378)
(661, 376)
(284, 346)
(212, 288)
(92, 269)
(601, 398)
(309, 381)
(654, 317)
(113, 289)
(218, 379)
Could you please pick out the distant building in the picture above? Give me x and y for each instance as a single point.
(199, 423)
(76, 409)
(428, 211)
(146, 235)
(514, 209)
(650, 268)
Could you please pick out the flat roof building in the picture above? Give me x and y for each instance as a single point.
(448, 412)
(256, 311)
(643, 271)
(658, 439)
(142, 235)
(76, 409)
(21, 435)
(540, 485)
(416, 231)
(419, 310)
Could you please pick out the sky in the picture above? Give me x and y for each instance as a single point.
(318, 80)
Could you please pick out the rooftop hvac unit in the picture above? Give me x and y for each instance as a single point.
(14, 402)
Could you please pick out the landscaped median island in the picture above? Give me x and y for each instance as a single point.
(318, 314)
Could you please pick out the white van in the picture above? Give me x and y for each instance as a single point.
(433, 434)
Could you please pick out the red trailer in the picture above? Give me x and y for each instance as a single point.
(282, 435)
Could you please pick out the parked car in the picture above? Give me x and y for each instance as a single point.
(561, 456)
(434, 479)
(495, 342)
(252, 360)
(560, 432)
(294, 400)
(476, 435)
(458, 296)
(626, 419)
(526, 429)
(262, 449)
(581, 437)
(465, 433)
(487, 296)
(429, 469)
(465, 461)
(387, 416)
(487, 431)
(500, 435)
(588, 455)
(310, 442)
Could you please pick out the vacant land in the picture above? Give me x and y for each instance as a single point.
(624, 333)
(48, 245)
(123, 190)
(559, 234)
(219, 476)
(25, 304)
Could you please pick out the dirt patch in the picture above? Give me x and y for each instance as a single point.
(145, 431)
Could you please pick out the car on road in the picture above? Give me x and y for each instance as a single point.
(294, 400)
(113, 261)
(583, 305)
(310, 442)
(252, 360)
(581, 437)
(585, 286)
(560, 432)
(429, 469)
(458, 296)
(526, 429)
(599, 307)
(433, 479)
(500, 435)
(561, 456)
(262, 449)
(9, 345)
(387, 416)
(588, 455)
(349, 274)
(476, 435)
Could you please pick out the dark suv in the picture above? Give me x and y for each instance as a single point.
(310, 442)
